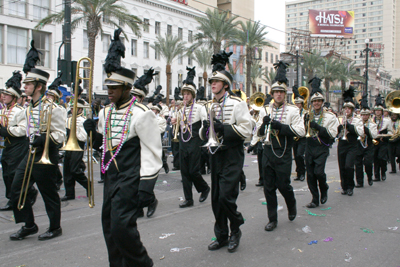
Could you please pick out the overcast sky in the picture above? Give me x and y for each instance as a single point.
(272, 14)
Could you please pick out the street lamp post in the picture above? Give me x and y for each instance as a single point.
(297, 66)
(366, 51)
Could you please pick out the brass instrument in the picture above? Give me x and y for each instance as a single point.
(344, 137)
(304, 92)
(72, 144)
(392, 102)
(242, 94)
(176, 127)
(44, 126)
(212, 137)
(308, 126)
(268, 138)
(257, 99)
(5, 120)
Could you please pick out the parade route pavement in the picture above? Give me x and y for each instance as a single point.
(360, 230)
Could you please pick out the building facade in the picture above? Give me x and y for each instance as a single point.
(244, 9)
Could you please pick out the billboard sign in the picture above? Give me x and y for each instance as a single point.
(331, 23)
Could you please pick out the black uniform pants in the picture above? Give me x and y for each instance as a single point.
(121, 209)
(45, 178)
(226, 171)
(11, 157)
(205, 159)
(190, 154)
(380, 159)
(299, 148)
(392, 155)
(316, 156)
(175, 153)
(74, 171)
(277, 176)
(364, 159)
(347, 152)
(260, 151)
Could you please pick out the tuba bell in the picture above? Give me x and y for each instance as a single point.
(392, 102)
(305, 93)
(257, 99)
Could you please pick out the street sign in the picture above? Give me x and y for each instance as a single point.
(337, 91)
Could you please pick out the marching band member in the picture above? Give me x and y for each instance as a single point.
(131, 162)
(365, 147)
(281, 124)
(190, 143)
(351, 127)
(43, 175)
(323, 130)
(381, 148)
(232, 126)
(175, 144)
(394, 142)
(13, 130)
(299, 146)
(74, 167)
(205, 157)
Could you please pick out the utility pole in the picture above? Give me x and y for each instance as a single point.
(367, 50)
(67, 41)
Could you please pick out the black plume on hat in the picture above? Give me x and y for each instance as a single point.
(296, 92)
(115, 52)
(31, 58)
(200, 93)
(349, 94)
(379, 100)
(144, 80)
(220, 60)
(177, 93)
(15, 81)
(57, 82)
(268, 99)
(158, 90)
(364, 101)
(157, 100)
(315, 85)
(190, 76)
(281, 72)
(327, 105)
(357, 106)
(80, 90)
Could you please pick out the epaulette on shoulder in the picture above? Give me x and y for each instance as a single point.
(236, 98)
(19, 106)
(329, 112)
(140, 105)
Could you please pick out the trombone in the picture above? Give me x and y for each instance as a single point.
(212, 137)
(4, 123)
(45, 160)
(72, 144)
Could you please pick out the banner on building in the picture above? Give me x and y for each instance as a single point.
(181, 1)
(331, 23)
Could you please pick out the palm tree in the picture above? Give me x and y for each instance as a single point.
(251, 35)
(169, 47)
(94, 13)
(347, 72)
(255, 73)
(269, 77)
(203, 57)
(395, 84)
(329, 72)
(216, 27)
(311, 60)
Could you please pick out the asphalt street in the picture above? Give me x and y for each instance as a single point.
(360, 230)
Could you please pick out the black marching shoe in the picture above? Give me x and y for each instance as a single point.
(66, 198)
(6, 207)
(243, 184)
(259, 184)
(152, 208)
(302, 178)
(292, 213)
(215, 245)
(34, 197)
(204, 195)
(377, 178)
(234, 241)
(350, 192)
(383, 177)
(370, 182)
(324, 196)
(359, 185)
(344, 192)
(49, 234)
(312, 205)
(24, 232)
(101, 181)
(166, 167)
(392, 172)
(186, 203)
(296, 179)
(271, 226)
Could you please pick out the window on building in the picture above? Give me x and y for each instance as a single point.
(158, 27)
(180, 79)
(157, 53)
(105, 38)
(146, 46)
(1, 44)
(190, 61)
(146, 25)
(85, 40)
(156, 81)
(266, 56)
(16, 45)
(190, 36)
(17, 8)
(272, 58)
(276, 58)
(259, 88)
(180, 59)
(40, 9)
(169, 29)
(134, 47)
(180, 33)
(266, 89)
(106, 19)
(42, 43)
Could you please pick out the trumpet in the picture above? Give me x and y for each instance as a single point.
(45, 160)
(212, 137)
(176, 128)
(268, 138)
(4, 123)
(344, 137)
(308, 126)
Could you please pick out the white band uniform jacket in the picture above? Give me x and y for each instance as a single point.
(81, 134)
(143, 124)
(16, 126)
(57, 126)
(235, 116)
(329, 122)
